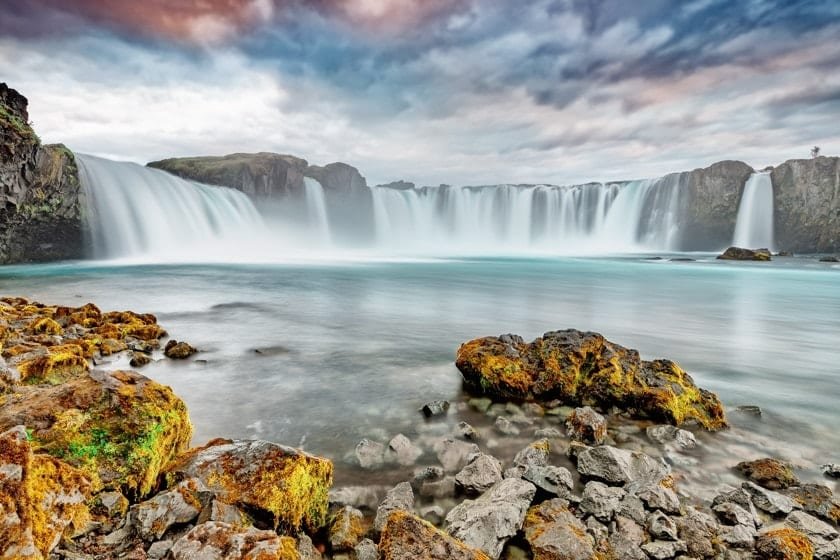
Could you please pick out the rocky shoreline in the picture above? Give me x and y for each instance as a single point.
(590, 454)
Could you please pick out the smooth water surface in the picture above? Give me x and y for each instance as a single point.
(321, 356)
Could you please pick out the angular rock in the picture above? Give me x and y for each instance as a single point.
(585, 368)
(699, 531)
(671, 434)
(601, 500)
(434, 514)
(406, 537)
(435, 408)
(783, 544)
(535, 454)
(554, 533)
(662, 550)
(769, 473)
(619, 466)
(555, 481)
(221, 541)
(139, 359)
(399, 498)
(479, 475)
(370, 454)
(219, 511)
(816, 499)
(130, 428)
(769, 501)
(41, 498)
(738, 536)
(736, 508)
(287, 485)
(741, 254)
(466, 431)
(366, 550)
(347, 529)
(505, 426)
(454, 454)
(306, 549)
(818, 531)
(110, 508)
(489, 521)
(587, 426)
(159, 549)
(832, 470)
(627, 539)
(662, 527)
(403, 451)
(151, 519)
(656, 496)
(830, 551)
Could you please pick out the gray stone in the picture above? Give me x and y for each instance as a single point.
(600, 500)
(215, 540)
(699, 532)
(818, 531)
(586, 425)
(152, 518)
(662, 527)
(435, 408)
(158, 550)
(655, 496)
(506, 427)
(832, 470)
(618, 466)
(738, 536)
(306, 549)
(830, 551)
(481, 473)
(535, 454)
(367, 497)
(366, 550)
(667, 434)
(401, 450)
(220, 511)
(768, 500)
(553, 480)
(625, 549)
(662, 550)
(466, 431)
(401, 497)
(632, 507)
(598, 530)
(454, 454)
(735, 507)
(554, 532)
(489, 521)
(344, 531)
(550, 433)
(370, 454)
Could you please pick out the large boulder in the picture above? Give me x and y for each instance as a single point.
(41, 200)
(489, 521)
(807, 204)
(406, 537)
(554, 533)
(41, 498)
(119, 428)
(742, 254)
(286, 485)
(585, 368)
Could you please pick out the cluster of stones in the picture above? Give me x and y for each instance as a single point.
(94, 463)
(612, 502)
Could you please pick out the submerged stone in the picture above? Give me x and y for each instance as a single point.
(586, 369)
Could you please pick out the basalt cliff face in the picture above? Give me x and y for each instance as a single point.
(41, 217)
(271, 177)
(807, 204)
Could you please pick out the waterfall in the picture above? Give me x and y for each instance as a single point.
(316, 209)
(148, 214)
(754, 225)
(616, 217)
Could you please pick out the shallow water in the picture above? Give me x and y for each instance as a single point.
(353, 350)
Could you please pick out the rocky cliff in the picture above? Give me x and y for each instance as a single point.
(271, 177)
(807, 204)
(41, 217)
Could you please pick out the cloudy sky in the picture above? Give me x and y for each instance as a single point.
(456, 91)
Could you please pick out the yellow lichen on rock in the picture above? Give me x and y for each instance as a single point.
(57, 365)
(406, 536)
(583, 368)
(783, 544)
(289, 486)
(41, 498)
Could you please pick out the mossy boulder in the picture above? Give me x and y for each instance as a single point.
(783, 544)
(41, 498)
(584, 368)
(741, 254)
(119, 428)
(768, 472)
(407, 537)
(284, 484)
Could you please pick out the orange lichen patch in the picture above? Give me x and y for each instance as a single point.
(346, 529)
(109, 330)
(551, 521)
(119, 428)
(110, 346)
(44, 325)
(41, 497)
(56, 366)
(288, 485)
(784, 544)
(19, 349)
(407, 536)
(585, 368)
(144, 332)
(768, 472)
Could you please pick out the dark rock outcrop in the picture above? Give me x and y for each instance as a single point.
(711, 204)
(42, 210)
(807, 204)
(741, 254)
(275, 177)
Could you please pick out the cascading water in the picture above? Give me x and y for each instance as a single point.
(616, 217)
(754, 225)
(147, 214)
(316, 209)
